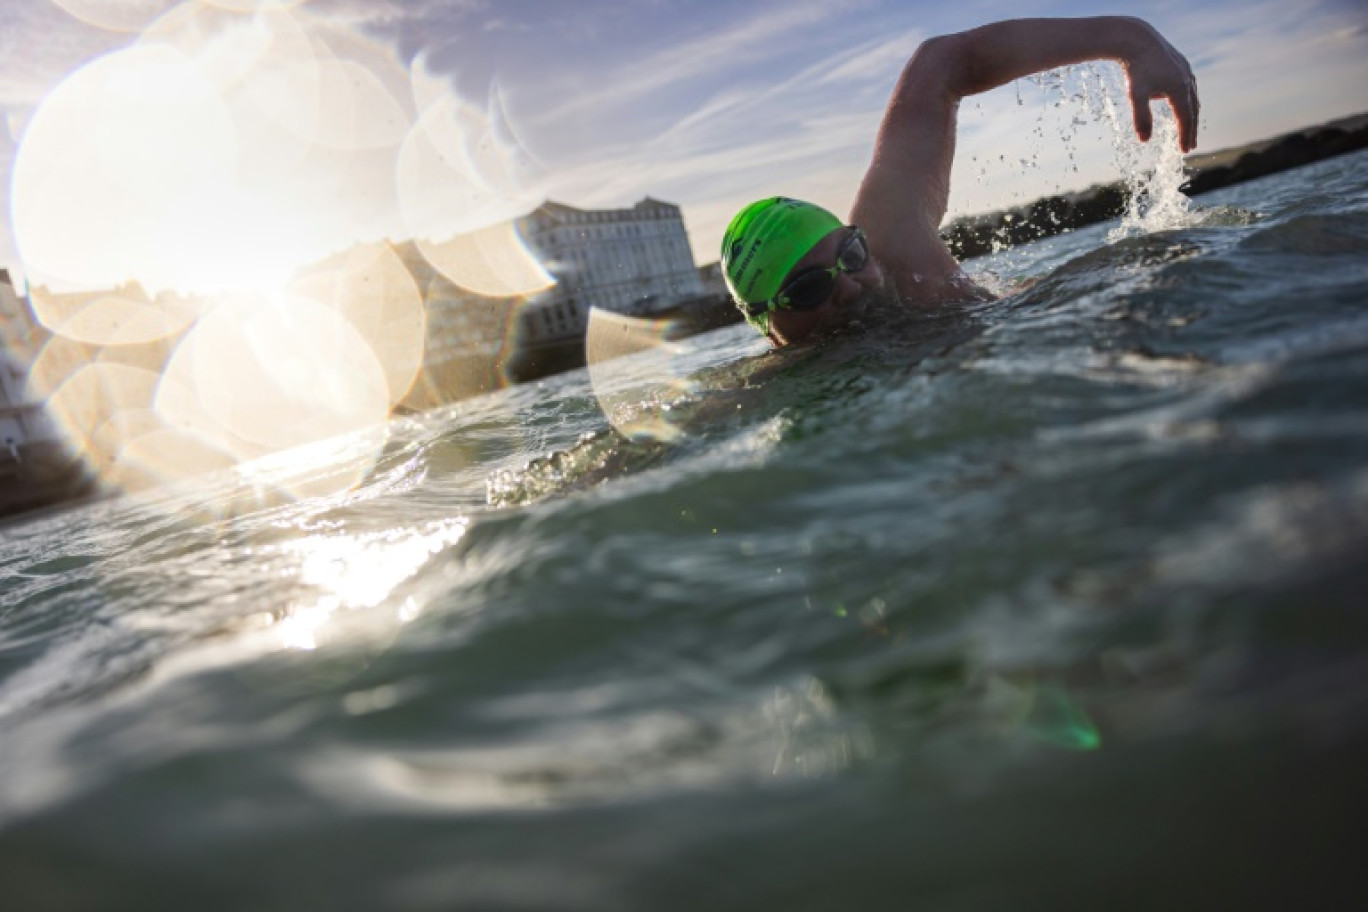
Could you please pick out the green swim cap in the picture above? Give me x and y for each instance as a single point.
(764, 242)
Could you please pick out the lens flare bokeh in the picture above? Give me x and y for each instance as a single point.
(252, 228)
(639, 375)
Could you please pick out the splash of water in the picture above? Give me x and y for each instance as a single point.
(1077, 102)
(1155, 202)
(1153, 171)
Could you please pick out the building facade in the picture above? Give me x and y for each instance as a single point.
(22, 421)
(629, 261)
(36, 466)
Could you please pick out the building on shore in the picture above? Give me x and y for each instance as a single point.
(627, 261)
(36, 465)
(22, 422)
(20, 333)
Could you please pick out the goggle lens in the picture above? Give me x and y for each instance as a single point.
(809, 290)
(854, 253)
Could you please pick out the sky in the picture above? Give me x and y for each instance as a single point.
(209, 143)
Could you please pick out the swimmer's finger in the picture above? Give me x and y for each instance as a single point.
(1185, 109)
(1144, 121)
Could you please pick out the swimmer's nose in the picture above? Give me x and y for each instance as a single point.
(846, 290)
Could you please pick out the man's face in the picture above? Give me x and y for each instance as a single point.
(848, 295)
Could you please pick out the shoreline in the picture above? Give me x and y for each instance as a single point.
(985, 233)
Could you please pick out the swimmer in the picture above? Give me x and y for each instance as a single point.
(796, 270)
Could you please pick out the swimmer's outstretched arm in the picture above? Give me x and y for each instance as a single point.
(905, 193)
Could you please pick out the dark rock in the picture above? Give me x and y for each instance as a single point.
(1290, 151)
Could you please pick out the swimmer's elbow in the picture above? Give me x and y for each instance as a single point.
(940, 66)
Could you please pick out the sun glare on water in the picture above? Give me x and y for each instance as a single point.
(210, 221)
(352, 572)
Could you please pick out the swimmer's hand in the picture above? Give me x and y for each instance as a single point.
(1155, 69)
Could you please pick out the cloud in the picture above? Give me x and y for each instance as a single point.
(879, 61)
(1287, 66)
(853, 82)
(750, 40)
(379, 13)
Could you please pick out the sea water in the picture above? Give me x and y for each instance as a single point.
(1052, 601)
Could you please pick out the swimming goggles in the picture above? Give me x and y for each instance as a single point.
(810, 288)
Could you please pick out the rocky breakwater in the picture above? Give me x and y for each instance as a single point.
(977, 235)
(1215, 170)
